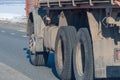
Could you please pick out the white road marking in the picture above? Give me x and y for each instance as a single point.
(24, 36)
(21, 30)
(12, 33)
(3, 31)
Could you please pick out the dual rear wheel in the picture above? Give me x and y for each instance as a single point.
(73, 54)
(76, 48)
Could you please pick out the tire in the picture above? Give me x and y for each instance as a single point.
(39, 58)
(36, 58)
(63, 52)
(83, 56)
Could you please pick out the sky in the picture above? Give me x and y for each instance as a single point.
(12, 1)
(12, 11)
(13, 8)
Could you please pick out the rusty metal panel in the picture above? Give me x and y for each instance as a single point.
(44, 1)
(29, 6)
(75, 3)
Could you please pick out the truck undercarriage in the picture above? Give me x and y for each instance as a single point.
(84, 35)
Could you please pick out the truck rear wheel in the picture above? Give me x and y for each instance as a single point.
(37, 58)
(63, 52)
(83, 56)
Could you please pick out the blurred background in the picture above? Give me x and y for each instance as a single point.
(12, 11)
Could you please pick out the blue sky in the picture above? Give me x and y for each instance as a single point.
(12, 1)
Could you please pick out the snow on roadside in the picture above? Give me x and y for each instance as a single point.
(14, 18)
(14, 13)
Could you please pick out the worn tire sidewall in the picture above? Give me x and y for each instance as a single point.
(65, 73)
(84, 38)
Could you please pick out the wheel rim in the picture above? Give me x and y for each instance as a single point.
(79, 64)
(60, 55)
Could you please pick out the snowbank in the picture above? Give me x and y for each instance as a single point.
(11, 17)
(13, 13)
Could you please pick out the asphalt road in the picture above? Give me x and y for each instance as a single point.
(14, 58)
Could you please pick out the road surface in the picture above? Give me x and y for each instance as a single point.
(14, 58)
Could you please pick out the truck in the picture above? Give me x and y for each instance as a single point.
(84, 36)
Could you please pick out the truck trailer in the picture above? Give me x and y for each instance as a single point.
(84, 36)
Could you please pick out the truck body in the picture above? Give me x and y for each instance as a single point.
(83, 34)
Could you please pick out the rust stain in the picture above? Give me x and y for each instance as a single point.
(27, 8)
